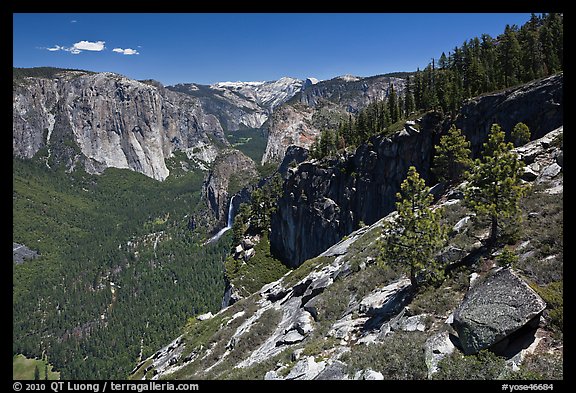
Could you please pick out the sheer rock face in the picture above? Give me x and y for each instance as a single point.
(325, 201)
(107, 120)
(538, 104)
(231, 165)
(493, 309)
(289, 125)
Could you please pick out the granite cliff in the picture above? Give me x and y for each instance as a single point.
(101, 120)
(231, 172)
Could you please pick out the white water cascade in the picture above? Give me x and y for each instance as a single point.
(228, 223)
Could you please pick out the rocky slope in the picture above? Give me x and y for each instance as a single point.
(241, 104)
(320, 105)
(340, 316)
(323, 202)
(102, 120)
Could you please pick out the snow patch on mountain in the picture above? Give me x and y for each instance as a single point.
(349, 78)
(235, 85)
(268, 94)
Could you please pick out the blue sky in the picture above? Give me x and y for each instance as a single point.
(208, 48)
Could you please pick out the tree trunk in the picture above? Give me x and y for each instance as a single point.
(494, 230)
(413, 281)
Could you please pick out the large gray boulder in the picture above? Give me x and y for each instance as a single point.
(387, 300)
(306, 368)
(335, 370)
(437, 348)
(494, 308)
(21, 253)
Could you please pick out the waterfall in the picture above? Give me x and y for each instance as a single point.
(228, 223)
(230, 213)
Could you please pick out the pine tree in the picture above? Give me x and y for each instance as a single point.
(509, 56)
(443, 89)
(315, 149)
(455, 94)
(331, 142)
(418, 89)
(452, 157)
(520, 134)
(476, 76)
(488, 57)
(494, 188)
(386, 114)
(413, 240)
(343, 136)
(443, 61)
(361, 126)
(429, 96)
(551, 36)
(532, 55)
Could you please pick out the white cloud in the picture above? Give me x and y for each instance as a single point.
(73, 21)
(79, 47)
(96, 46)
(87, 45)
(127, 51)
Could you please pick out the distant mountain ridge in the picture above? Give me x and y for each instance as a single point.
(242, 104)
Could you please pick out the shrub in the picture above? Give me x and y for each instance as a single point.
(484, 365)
(399, 356)
(520, 134)
(507, 257)
(553, 295)
(540, 366)
(437, 301)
